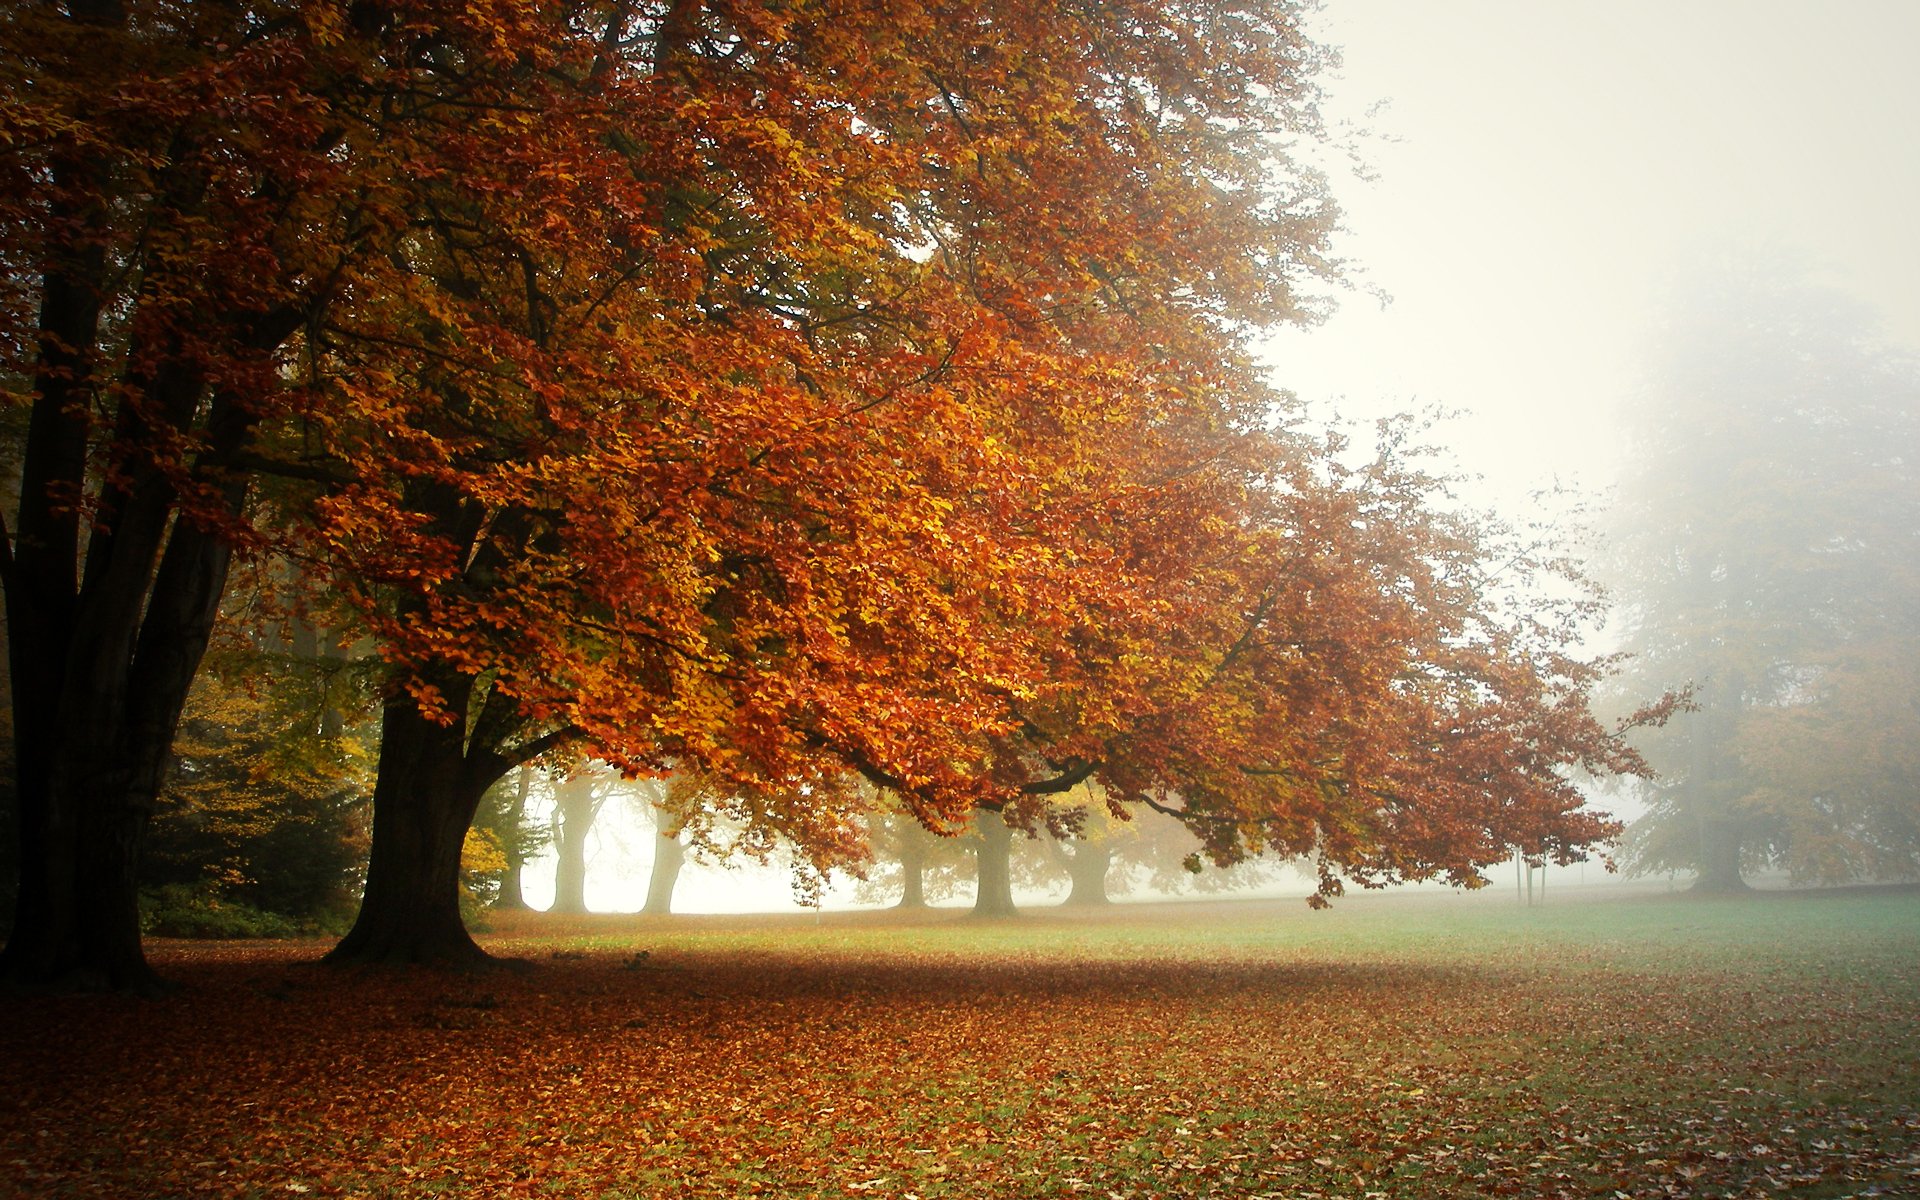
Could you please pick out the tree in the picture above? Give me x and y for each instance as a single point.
(775, 379)
(770, 392)
(265, 801)
(1351, 671)
(505, 815)
(1300, 652)
(176, 205)
(1088, 864)
(993, 874)
(908, 863)
(1764, 544)
(577, 801)
(669, 858)
(1105, 854)
(913, 845)
(1838, 769)
(1026, 848)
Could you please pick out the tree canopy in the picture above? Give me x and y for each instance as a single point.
(761, 390)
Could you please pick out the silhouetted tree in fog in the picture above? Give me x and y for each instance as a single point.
(1764, 546)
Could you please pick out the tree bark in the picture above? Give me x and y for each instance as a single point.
(574, 810)
(1087, 869)
(669, 857)
(424, 799)
(994, 894)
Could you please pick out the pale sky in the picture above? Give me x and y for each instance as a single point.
(1542, 165)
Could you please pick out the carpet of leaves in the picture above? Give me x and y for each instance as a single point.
(1704, 1051)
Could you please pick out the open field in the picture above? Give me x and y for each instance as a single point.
(1398, 1046)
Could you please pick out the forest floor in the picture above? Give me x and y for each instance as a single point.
(1399, 1046)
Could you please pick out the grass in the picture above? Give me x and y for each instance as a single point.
(1399, 1046)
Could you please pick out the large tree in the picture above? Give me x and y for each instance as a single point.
(1764, 545)
(761, 388)
(184, 189)
(743, 396)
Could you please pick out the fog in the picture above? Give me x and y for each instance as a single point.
(620, 847)
(1544, 174)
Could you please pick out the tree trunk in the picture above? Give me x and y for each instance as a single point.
(669, 856)
(76, 920)
(1720, 858)
(513, 893)
(1087, 869)
(424, 799)
(99, 698)
(913, 864)
(574, 810)
(994, 895)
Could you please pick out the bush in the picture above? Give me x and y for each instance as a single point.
(201, 911)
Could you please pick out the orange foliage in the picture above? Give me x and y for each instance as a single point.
(773, 388)
(756, 386)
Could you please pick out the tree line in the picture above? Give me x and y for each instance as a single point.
(816, 397)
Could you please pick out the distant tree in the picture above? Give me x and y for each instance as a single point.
(669, 859)
(914, 845)
(578, 798)
(1838, 769)
(907, 863)
(993, 870)
(1109, 852)
(1089, 862)
(506, 814)
(266, 802)
(1764, 546)
(670, 804)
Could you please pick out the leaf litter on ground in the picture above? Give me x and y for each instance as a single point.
(1396, 1048)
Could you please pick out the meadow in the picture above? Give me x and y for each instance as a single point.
(1415, 1045)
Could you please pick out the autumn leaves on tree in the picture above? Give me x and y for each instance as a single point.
(790, 393)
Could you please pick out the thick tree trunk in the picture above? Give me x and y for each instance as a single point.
(669, 856)
(1720, 858)
(913, 865)
(57, 937)
(102, 696)
(424, 799)
(1087, 869)
(575, 808)
(111, 590)
(994, 894)
(88, 783)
